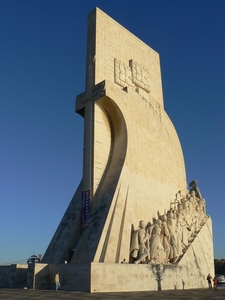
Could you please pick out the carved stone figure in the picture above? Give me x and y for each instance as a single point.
(193, 199)
(201, 204)
(193, 186)
(202, 211)
(188, 219)
(197, 219)
(182, 230)
(171, 224)
(140, 244)
(165, 237)
(157, 253)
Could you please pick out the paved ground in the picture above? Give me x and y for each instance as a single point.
(198, 294)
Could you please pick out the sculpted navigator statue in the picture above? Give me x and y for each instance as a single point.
(140, 244)
(193, 187)
(172, 226)
(165, 237)
(157, 253)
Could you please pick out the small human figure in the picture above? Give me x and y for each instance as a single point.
(183, 284)
(57, 283)
(123, 261)
(215, 283)
(209, 279)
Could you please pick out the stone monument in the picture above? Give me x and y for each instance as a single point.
(132, 204)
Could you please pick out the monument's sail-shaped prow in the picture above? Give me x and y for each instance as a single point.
(133, 163)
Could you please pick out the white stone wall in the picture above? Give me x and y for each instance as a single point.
(102, 145)
(13, 276)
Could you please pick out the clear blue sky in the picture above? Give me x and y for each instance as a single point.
(42, 70)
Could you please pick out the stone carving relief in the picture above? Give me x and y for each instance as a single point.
(167, 238)
(123, 75)
(140, 76)
(132, 75)
(140, 244)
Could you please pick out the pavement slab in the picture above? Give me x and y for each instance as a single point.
(196, 294)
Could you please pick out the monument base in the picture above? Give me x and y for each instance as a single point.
(190, 272)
